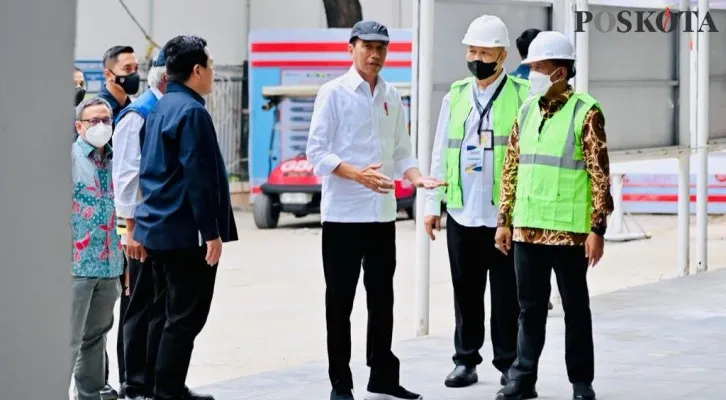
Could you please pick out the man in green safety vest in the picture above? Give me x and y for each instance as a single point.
(474, 124)
(554, 201)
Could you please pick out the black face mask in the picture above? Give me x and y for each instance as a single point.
(80, 95)
(130, 82)
(482, 70)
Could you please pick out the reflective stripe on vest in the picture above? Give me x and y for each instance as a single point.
(504, 111)
(567, 160)
(553, 187)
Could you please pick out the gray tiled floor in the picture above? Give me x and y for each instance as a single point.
(661, 341)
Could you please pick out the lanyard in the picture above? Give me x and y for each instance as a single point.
(485, 110)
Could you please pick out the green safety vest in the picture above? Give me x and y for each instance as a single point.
(553, 187)
(504, 111)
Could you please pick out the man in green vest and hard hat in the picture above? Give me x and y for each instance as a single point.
(473, 129)
(554, 201)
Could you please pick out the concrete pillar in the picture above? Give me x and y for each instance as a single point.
(36, 108)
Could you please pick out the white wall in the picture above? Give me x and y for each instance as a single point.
(104, 23)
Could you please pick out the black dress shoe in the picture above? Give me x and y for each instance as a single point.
(109, 393)
(515, 391)
(341, 394)
(191, 395)
(461, 376)
(395, 393)
(582, 391)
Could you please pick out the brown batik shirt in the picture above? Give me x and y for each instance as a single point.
(597, 164)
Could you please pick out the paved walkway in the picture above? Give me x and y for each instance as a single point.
(665, 340)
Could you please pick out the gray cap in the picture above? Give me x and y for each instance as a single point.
(370, 31)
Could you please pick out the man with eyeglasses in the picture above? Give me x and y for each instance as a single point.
(97, 255)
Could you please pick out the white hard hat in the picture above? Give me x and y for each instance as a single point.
(550, 45)
(487, 31)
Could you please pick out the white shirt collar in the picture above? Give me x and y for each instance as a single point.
(156, 92)
(354, 80)
(489, 91)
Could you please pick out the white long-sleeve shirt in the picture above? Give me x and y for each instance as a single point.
(478, 208)
(351, 125)
(126, 160)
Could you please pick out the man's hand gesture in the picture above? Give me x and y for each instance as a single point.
(427, 182)
(374, 180)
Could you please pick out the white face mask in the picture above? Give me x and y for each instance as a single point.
(98, 135)
(539, 83)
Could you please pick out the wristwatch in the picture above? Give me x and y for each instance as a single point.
(599, 230)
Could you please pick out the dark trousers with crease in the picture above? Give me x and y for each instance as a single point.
(472, 256)
(534, 264)
(143, 325)
(189, 283)
(345, 247)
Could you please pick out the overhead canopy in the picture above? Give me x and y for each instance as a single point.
(298, 91)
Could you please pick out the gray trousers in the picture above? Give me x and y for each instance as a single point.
(92, 318)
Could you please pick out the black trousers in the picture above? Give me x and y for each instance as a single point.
(471, 256)
(189, 283)
(345, 247)
(142, 328)
(123, 305)
(533, 265)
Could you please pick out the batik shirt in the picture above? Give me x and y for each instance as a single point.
(97, 251)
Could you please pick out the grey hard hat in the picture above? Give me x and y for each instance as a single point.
(370, 31)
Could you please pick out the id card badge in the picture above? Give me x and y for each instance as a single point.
(486, 139)
(473, 159)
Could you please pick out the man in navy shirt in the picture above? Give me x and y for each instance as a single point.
(185, 213)
(523, 42)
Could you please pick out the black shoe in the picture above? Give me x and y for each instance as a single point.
(514, 391)
(399, 393)
(191, 395)
(109, 393)
(341, 394)
(461, 376)
(582, 391)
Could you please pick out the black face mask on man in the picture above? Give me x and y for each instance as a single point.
(130, 82)
(80, 95)
(482, 70)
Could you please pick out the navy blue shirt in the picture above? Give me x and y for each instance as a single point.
(116, 107)
(182, 177)
(522, 71)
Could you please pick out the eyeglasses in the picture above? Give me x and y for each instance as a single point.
(96, 121)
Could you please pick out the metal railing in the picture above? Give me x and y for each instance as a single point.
(225, 105)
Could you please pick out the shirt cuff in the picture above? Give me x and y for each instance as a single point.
(404, 165)
(326, 166)
(125, 211)
(433, 205)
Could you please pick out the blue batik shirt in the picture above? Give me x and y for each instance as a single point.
(97, 251)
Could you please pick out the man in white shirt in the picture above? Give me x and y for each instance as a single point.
(476, 118)
(359, 144)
